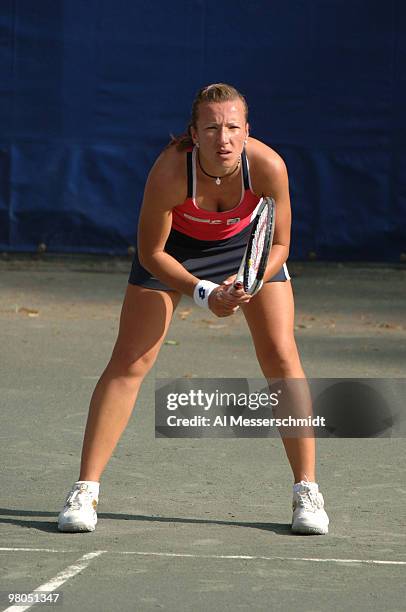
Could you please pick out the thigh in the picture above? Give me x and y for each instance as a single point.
(270, 317)
(144, 321)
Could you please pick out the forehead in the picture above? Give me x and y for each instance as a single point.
(222, 111)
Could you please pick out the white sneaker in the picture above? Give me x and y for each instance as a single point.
(79, 511)
(309, 516)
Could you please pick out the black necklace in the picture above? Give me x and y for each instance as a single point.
(217, 178)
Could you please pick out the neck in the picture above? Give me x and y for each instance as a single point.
(218, 177)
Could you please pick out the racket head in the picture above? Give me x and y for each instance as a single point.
(259, 245)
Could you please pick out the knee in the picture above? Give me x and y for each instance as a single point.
(281, 358)
(130, 364)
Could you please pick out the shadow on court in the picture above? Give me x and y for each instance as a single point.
(173, 514)
(52, 527)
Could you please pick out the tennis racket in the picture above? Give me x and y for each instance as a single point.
(255, 259)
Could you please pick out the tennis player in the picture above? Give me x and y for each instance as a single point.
(199, 199)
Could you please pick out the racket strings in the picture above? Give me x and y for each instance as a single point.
(257, 247)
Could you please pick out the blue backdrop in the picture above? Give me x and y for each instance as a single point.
(90, 91)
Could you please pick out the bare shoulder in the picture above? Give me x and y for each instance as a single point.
(267, 167)
(261, 156)
(167, 178)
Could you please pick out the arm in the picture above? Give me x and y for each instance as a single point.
(281, 241)
(155, 225)
(270, 178)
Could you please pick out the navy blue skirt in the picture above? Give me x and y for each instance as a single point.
(213, 260)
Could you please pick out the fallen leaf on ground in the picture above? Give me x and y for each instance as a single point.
(28, 311)
(183, 314)
(171, 342)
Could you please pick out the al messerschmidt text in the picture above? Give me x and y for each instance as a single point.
(240, 421)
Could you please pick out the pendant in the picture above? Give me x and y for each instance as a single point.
(218, 181)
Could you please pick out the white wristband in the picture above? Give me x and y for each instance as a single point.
(202, 291)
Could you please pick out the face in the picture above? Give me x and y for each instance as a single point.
(221, 131)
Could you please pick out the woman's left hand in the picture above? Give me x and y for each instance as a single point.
(234, 295)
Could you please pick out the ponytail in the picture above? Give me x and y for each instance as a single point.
(182, 142)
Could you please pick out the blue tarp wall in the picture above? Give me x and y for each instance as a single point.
(91, 89)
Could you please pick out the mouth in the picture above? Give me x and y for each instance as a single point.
(224, 154)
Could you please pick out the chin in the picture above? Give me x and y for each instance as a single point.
(228, 162)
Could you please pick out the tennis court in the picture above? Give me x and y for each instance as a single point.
(194, 524)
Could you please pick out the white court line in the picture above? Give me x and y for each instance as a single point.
(242, 557)
(50, 550)
(59, 579)
(260, 558)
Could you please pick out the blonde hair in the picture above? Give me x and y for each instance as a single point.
(217, 92)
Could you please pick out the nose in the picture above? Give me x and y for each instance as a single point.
(223, 135)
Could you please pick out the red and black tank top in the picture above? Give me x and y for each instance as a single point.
(188, 218)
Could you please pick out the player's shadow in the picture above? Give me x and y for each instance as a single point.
(11, 517)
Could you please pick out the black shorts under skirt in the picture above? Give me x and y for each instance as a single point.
(213, 260)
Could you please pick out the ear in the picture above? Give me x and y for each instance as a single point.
(193, 133)
(247, 130)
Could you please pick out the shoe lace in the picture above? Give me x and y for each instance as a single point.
(78, 498)
(308, 499)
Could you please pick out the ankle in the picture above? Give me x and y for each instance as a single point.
(304, 477)
(92, 485)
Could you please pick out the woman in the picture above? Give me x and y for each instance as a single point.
(199, 199)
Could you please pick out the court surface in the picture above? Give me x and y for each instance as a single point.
(194, 525)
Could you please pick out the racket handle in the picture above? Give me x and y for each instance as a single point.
(238, 285)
